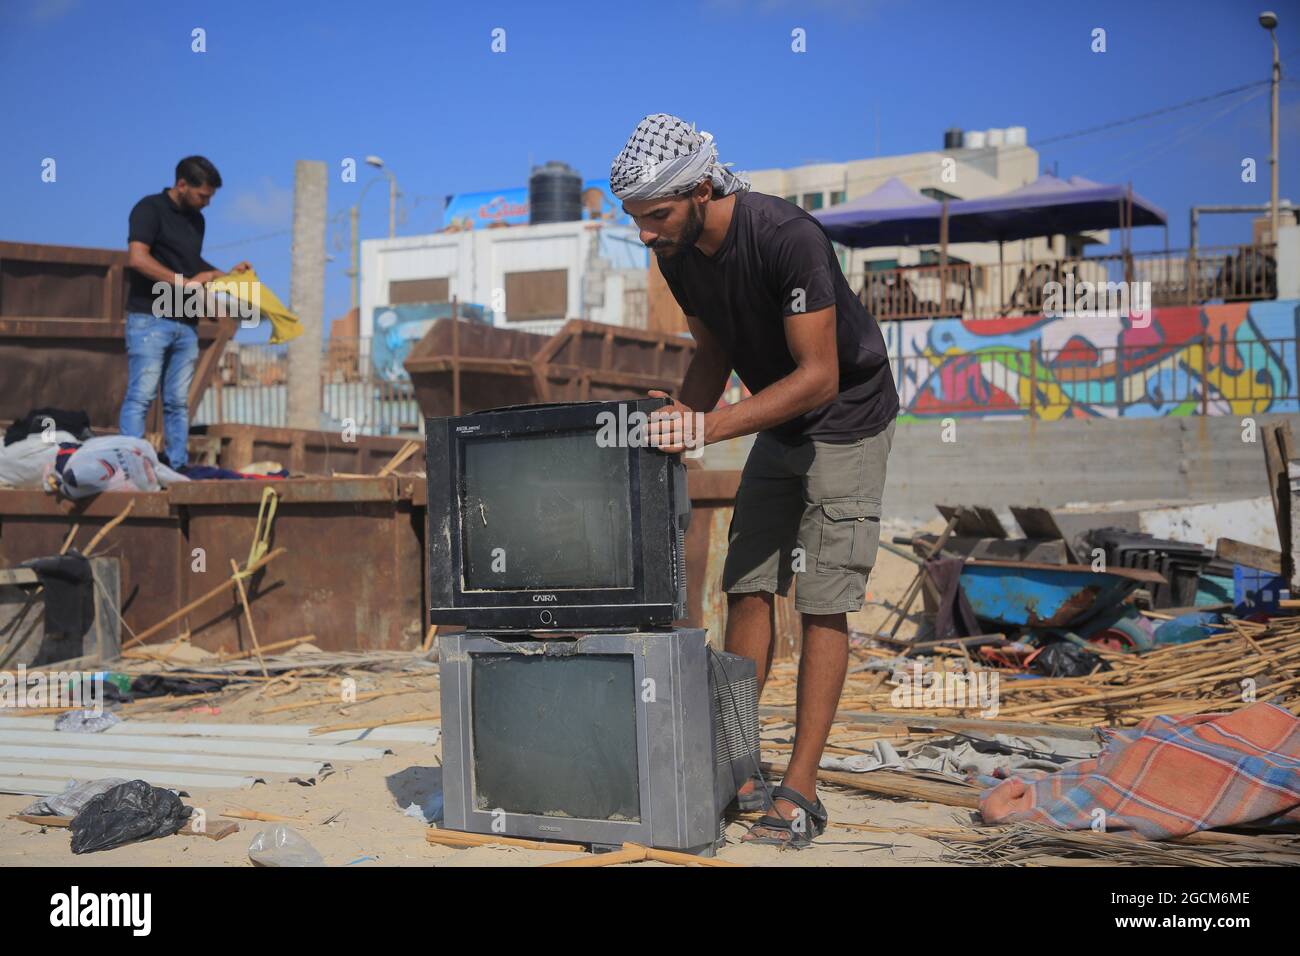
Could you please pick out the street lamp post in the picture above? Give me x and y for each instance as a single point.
(1268, 20)
(354, 215)
(378, 163)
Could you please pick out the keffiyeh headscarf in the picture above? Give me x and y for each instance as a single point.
(665, 156)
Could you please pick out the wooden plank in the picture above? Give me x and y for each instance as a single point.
(1275, 466)
(217, 830)
(890, 783)
(1250, 555)
(954, 724)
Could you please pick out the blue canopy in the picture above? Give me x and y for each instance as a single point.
(1046, 207)
(893, 214)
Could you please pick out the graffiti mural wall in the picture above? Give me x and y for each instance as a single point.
(1233, 359)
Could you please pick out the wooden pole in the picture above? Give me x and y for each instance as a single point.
(455, 355)
(943, 258)
(99, 535)
(197, 602)
(248, 614)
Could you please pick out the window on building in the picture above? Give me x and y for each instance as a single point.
(543, 294)
(938, 194)
(837, 197)
(418, 290)
(812, 200)
(792, 199)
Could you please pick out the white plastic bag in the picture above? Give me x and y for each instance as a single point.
(115, 463)
(280, 845)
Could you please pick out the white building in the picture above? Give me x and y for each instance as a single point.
(532, 277)
(988, 163)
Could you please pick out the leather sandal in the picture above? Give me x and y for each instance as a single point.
(802, 832)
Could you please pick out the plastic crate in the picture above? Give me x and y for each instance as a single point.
(1255, 590)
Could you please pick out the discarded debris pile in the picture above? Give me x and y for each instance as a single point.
(1030, 843)
(1240, 664)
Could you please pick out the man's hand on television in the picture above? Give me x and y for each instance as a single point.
(675, 428)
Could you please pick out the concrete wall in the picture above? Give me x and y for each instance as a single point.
(1030, 462)
(475, 263)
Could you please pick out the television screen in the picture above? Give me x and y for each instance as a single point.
(555, 735)
(545, 512)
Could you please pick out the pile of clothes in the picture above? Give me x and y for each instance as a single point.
(1168, 777)
(55, 450)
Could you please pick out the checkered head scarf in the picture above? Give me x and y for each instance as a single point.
(665, 157)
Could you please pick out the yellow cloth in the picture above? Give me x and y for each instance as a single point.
(247, 287)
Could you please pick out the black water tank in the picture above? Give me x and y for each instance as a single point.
(554, 193)
(952, 138)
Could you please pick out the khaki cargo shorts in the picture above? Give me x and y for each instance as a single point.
(809, 512)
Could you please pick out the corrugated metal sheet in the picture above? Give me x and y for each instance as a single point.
(159, 777)
(51, 757)
(36, 759)
(217, 746)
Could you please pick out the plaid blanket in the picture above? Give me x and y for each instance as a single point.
(1168, 777)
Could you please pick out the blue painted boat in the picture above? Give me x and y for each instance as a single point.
(1028, 594)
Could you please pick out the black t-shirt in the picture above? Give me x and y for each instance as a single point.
(744, 291)
(175, 238)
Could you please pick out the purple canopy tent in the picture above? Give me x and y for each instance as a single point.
(893, 214)
(1048, 207)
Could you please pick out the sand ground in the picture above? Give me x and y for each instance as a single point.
(367, 827)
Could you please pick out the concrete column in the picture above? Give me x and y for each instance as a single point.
(307, 293)
(1288, 262)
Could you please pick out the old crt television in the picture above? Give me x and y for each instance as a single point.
(601, 738)
(559, 516)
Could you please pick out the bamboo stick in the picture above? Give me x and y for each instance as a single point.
(462, 840)
(99, 535)
(629, 854)
(199, 601)
(248, 614)
(368, 724)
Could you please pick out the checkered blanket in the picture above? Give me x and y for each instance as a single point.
(1168, 777)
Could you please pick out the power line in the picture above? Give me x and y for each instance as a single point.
(1075, 134)
(1152, 113)
(1153, 150)
(929, 166)
(271, 235)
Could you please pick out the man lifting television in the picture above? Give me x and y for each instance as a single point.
(764, 294)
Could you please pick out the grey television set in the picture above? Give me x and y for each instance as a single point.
(600, 738)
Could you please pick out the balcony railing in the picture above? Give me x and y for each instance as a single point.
(968, 291)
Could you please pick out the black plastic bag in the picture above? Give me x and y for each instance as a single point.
(159, 685)
(130, 812)
(1065, 659)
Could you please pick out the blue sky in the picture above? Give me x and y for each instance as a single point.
(115, 94)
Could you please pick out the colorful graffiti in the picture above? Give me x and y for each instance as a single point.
(1233, 359)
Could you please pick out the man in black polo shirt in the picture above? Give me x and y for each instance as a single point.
(164, 245)
(764, 294)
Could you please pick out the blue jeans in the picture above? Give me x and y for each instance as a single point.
(160, 350)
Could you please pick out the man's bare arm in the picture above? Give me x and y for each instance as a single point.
(814, 382)
(708, 371)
